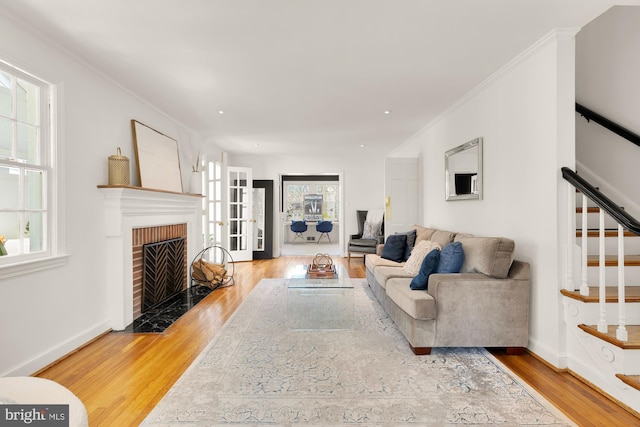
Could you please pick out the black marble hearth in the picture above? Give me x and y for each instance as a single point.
(160, 317)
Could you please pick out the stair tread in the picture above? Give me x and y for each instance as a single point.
(633, 332)
(590, 209)
(630, 380)
(612, 260)
(631, 293)
(608, 232)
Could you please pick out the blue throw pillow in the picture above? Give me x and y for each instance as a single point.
(394, 247)
(428, 267)
(451, 259)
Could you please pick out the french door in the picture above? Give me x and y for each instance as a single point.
(213, 219)
(239, 213)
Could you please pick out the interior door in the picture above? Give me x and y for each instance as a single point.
(213, 220)
(239, 211)
(263, 217)
(402, 194)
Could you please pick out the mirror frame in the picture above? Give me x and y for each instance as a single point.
(448, 159)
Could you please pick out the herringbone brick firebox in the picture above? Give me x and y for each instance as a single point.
(142, 236)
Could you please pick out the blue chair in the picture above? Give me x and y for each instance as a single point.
(298, 227)
(324, 228)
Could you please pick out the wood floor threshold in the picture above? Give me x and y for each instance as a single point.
(631, 294)
(633, 332)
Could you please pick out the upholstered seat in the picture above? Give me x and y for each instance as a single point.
(324, 228)
(298, 227)
(364, 246)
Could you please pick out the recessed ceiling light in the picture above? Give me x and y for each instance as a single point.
(387, 111)
(362, 145)
(220, 111)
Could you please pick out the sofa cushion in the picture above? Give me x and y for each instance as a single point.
(372, 261)
(394, 247)
(451, 259)
(429, 266)
(382, 274)
(364, 243)
(487, 255)
(419, 252)
(417, 304)
(423, 233)
(443, 238)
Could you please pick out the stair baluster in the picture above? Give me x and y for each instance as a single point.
(621, 332)
(569, 284)
(584, 287)
(602, 296)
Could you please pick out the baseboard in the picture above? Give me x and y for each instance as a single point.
(54, 354)
(546, 355)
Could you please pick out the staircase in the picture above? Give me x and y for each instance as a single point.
(603, 332)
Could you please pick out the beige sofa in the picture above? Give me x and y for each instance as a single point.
(485, 305)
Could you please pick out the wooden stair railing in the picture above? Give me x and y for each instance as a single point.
(626, 224)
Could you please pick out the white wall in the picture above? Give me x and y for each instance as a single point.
(47, 314)
(524, 114)
(362, 180)
(607, 70)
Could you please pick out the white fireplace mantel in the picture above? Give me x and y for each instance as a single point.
(127, 208)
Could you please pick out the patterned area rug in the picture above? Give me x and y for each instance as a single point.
(257, 370)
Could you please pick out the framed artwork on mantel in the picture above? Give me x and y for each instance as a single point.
(157, 159)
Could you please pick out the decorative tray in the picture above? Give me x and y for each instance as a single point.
(321, 271)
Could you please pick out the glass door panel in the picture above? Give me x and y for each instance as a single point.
(239, 213)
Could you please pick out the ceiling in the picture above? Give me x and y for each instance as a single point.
(292, 75)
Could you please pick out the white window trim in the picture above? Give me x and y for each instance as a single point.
(55, 256)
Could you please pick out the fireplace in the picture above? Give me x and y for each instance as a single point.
(134, 217)
(171, 240)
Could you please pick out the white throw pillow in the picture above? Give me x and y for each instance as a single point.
(419, 252)
(371, 230)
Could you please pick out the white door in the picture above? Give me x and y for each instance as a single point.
(402, 194)
(239, 213)
(213, 214)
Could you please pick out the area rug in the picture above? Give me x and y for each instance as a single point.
(259, 371)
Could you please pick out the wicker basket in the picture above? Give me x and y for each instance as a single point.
(118, 169)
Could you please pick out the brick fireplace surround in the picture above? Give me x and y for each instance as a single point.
(135, 216)
(139, 238)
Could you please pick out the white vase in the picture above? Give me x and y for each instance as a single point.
(195, 184)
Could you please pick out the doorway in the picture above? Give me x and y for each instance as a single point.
(263, 219)
(312, 198)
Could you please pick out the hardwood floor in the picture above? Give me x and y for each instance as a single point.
(121, 377)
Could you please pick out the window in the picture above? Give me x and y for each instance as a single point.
(26, 167)
(326, 194)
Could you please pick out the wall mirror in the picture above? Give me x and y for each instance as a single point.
(463, 171)
(156, 159)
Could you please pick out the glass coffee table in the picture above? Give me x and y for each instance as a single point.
(319, 304)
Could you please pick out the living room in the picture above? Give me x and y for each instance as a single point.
(524, 111)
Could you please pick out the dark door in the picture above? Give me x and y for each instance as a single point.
(263, 217)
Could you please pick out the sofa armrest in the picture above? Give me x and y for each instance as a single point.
(379, 249)
(477, 310)
(356, 236)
